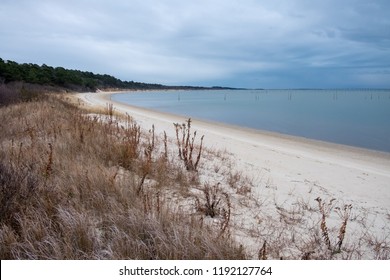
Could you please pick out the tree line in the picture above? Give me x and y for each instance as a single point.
(11, 71)
(27, 81)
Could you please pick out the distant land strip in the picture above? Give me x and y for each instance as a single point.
(75, 80)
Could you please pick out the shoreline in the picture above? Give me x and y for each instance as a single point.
(271, 135)
(293, 137)
(289, 158)
(286, 170)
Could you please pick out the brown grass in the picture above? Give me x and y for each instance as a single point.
(79, 187)
(75, 184)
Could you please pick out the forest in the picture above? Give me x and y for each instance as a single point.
(27, 81)
(75, 80)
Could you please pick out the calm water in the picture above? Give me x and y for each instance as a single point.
(352, 117)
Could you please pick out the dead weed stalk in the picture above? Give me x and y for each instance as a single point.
(344, 214)
(185, 144)
(323, 226)
(147, 162)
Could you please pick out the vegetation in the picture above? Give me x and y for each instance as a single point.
(186, 145)
(30, 77)
(78, 184)
(11, 71)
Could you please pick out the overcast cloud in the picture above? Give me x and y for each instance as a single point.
(243, 43)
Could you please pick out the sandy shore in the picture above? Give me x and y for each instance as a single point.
(292, 167)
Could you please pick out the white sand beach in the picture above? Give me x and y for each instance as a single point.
(288, 169)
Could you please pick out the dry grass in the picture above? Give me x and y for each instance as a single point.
(79, 187)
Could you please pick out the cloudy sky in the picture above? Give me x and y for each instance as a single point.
(239, 43)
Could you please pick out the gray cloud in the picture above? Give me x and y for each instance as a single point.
(235, 43)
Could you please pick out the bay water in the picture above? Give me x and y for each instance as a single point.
(351, 117)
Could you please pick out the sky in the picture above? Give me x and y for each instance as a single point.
(236, 43)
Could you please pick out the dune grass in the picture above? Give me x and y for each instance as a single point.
(74, 186)
(78, 184)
